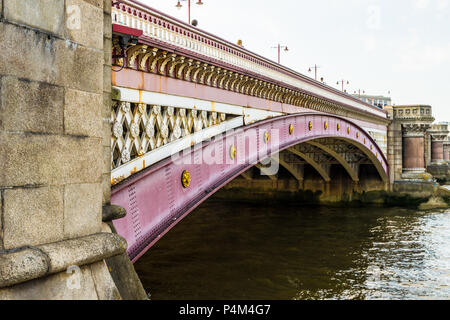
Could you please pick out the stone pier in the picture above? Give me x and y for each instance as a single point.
(439, 133)
(447, 151)
(408, 140)
(55, 100)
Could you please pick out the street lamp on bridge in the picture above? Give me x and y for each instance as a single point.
(279, 47)
(315, 70)
(342, 82)
(359, 92)
(179, 6)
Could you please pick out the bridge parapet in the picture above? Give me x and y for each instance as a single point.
(182, 44)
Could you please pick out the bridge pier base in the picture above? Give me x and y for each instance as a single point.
(55, 135)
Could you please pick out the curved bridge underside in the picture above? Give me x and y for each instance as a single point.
(156, 199)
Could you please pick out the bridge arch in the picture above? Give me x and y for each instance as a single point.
(156, 199)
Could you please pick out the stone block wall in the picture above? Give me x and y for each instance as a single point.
(395, 151)
(55, 97)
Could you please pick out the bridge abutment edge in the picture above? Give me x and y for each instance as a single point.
(55, 101)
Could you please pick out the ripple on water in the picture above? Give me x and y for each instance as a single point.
(238, 251)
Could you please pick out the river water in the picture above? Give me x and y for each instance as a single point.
(227, 250)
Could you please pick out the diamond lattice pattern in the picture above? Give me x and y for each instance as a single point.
(139, 128)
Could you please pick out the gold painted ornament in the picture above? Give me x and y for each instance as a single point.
(186, 179)
(338, 127)
(310, 126)
(233, 152)
(291, 129)
(266, 137)
(325, 125)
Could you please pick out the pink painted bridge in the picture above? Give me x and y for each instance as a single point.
(156, 199)
(193, 112)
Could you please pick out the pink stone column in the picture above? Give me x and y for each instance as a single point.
(446, 151)
(414, 153)
(437, 151)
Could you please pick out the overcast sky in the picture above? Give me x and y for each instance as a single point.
(401, 46)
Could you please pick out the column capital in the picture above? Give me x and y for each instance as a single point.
(439, 132)
(415, 129)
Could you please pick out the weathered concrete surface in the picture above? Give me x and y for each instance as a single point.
(50, 60)
(32, 216)
(104, 283)
(47, 15)
(82, 210)
(91, 282)
(86, 28)
(434, 203)
(27, 264)
(29, 159)
(440, 171)
(415, 189)
(83, 251)
(83, 113)
(125, 278)
(76, 284)
(123, 273)
(23, 107)
(22, 266)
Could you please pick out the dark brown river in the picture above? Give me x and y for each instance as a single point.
(227, 250)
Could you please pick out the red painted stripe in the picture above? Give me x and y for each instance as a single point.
(127, 30)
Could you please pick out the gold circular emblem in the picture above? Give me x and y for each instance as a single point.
(310, 126)
(233, 152)
(348, 130)
(186, 179)
(338, 127)
(364, 140)
(291, 129)
(266, 137)
(325, 125)
(357, 135)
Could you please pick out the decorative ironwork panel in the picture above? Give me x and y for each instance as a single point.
(139, 128)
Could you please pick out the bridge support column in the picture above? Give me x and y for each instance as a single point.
(411, 154)
(438, 133)
(55, 91)
(447, 151)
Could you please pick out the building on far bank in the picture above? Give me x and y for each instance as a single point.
(377, 101)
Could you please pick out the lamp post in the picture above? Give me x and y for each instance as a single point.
(179, 6)
(342, 82)
(315, 70)
(279, 47)
(359, 93)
